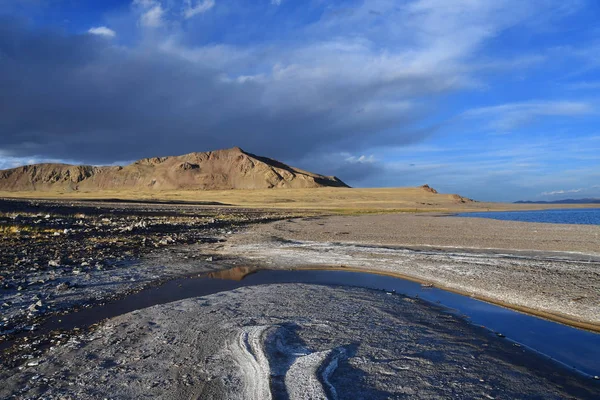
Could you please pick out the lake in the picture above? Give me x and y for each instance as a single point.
(580, 216)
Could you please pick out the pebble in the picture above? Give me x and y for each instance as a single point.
(38, 263)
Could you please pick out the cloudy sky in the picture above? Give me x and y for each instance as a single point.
(495, 100)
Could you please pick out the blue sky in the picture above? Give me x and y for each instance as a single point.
(495, 100)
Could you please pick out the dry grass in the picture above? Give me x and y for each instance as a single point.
(339, 200)
(8, 230)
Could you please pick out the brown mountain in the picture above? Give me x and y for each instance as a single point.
(221, 169)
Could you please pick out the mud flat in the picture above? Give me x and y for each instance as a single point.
(292, 341)
(545, 269)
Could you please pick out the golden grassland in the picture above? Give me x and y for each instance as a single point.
(337, 200)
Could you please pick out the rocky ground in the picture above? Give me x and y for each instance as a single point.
(57, 257)
(292, 341)
(276, 341)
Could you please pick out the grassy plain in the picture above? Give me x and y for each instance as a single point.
(338, 200)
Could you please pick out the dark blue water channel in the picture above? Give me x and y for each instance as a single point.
(580, 216)
(575, 348)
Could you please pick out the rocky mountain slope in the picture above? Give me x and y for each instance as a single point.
(221, 169)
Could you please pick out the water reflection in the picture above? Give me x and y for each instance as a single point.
(571, 346)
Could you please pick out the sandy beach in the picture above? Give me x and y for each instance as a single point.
(437, 230)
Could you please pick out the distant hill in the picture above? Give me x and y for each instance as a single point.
(213, 170)
(566, 201)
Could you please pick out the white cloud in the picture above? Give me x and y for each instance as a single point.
(7, 161)
(362, 159)
(431, 48)
(219, 56)
(276, 2)
(200, 8)
(155, 13)
(355, 77)
(102, 31)
(556, 192)
(153, 17)
(151, 12)
(513, 115)
(145, 3)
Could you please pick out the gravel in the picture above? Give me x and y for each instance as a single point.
(56, 257)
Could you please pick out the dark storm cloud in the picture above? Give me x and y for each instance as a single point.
(82, 97)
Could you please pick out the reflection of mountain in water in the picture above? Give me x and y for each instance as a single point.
(233, 274)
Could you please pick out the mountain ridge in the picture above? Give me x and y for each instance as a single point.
(564, 201)
(213, 170)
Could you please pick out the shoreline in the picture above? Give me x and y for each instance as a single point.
(562, 319)
(244, 271)
(337, 201)
(558, 280)
(240, 272)
(420, 248)
(273, 338)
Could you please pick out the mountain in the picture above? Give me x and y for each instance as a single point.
(213, 170)
(565, 201)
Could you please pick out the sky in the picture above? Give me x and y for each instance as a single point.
(494, 100)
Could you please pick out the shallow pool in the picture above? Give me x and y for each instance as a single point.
(575, 348)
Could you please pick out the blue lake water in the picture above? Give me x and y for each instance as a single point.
(580, 216)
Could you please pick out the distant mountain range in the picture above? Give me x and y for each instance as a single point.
(213, 170)
(565, 201)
